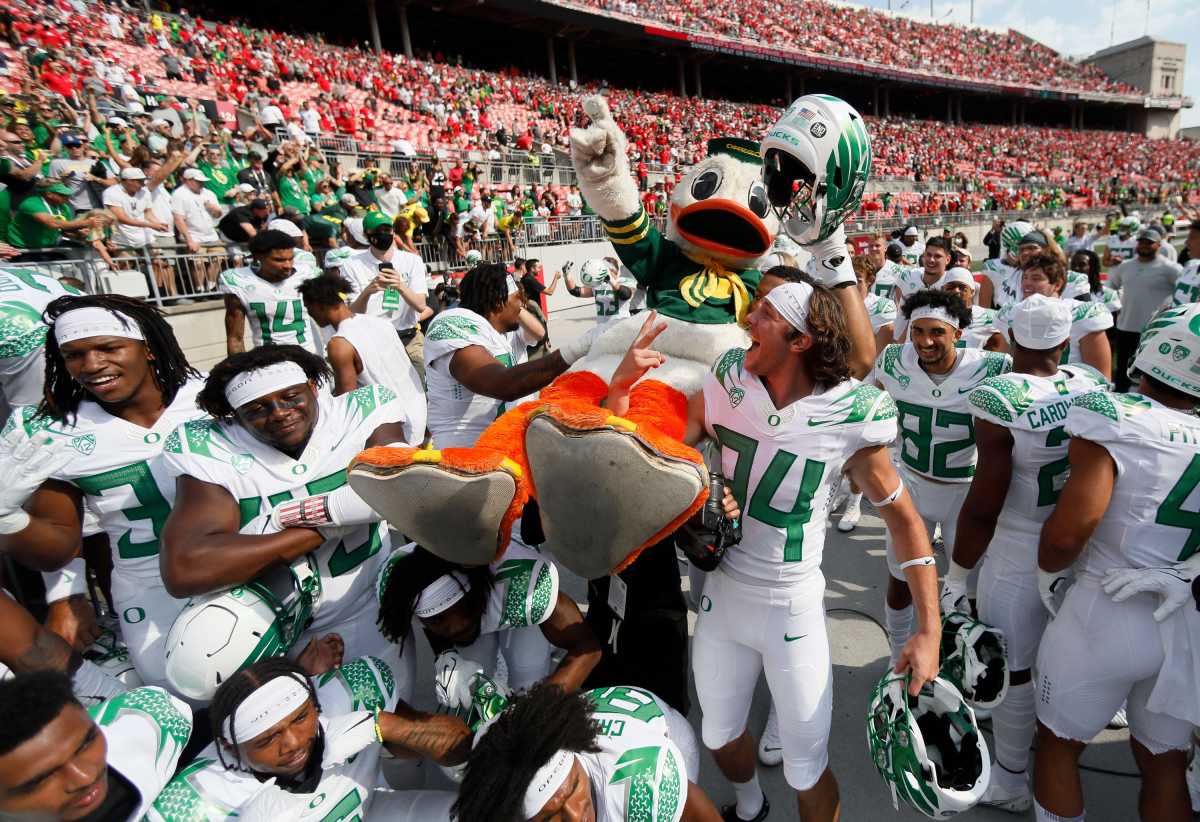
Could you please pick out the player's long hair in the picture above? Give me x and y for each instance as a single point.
(169, 366)
(537, 725)
(485, 289)
(410, 576)
(828, 359)
(211, 398)
(233, 692)
(1093, 269)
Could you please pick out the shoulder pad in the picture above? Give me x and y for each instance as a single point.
(453, 327)
(889, 363)
(1001, 399)
(530, 593)
(368, 398)
(155, 704)
(1085, 372)
(182, 801)
(1098, 415)
(229, 278)
(862, 403)
(731, 360)
(368, 681)
(28, 418)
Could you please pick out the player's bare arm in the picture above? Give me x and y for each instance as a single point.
(989, 487)
(566, 629)
(235, 325)
(443, 738)
(482, 373)
(343, 359)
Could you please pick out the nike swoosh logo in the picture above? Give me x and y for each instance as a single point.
(771, 748)
(787, 638)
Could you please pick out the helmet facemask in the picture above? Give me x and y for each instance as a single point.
(792, 191)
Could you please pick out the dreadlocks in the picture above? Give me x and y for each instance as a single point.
(234, 691)
(485, 289)
(168, 364)
(536, 725)
(408, 576)
(211, 398)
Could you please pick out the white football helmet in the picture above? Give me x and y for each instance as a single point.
(474, 257)
(974, 660)
(1169, 350)
(816, 161)
(1011, 234)
(594, 272)
(218, 634)
(928, 749)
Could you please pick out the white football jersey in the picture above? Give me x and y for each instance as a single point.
(982, 327)
(146, 730)
(386, 363)
(1006, 282)
(24, 295)
(638, 773)
(1122, 249)
(784, 464)
(608, 307)
(1152, 519)
(1187, 287)
(113, 471)
(259, 477)
(1086, 318)
(1034, 409)
(275, 310)
(1111, 298)
(937, 432)
(205, 791)
(880, 310)
(885, 278)
(457, 415)
(912, 253)
(909, 281)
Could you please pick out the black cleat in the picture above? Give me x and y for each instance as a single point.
(729, 812)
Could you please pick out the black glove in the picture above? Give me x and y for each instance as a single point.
(708, 534)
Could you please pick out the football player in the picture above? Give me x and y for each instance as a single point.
(117, 384)
(263, 483)
(62, 763)
(1022, 446)
(609, 754)
(982, 331)
(602, 281)
(789, 420)
(929, 378)
(265, 292)
(934, 262)
(290, 748)
(997, 288)
(1135, 464)
(24, 295)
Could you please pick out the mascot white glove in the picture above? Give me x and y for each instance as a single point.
(453, 673)
(598, 153)
(954, 590)
(273, 804)
(1173, 584)
(572, 350)
(830, 264)
(1052, 585)
(348, 734)
(26, 463)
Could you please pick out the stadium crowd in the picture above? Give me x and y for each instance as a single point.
(867, 35)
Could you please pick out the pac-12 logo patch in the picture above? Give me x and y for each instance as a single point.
(817, 130)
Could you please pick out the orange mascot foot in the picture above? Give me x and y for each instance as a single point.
(608, 487)
(459, 503)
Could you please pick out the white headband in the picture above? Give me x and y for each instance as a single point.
(546, 782)
(791, 301)
(250, 385)
(93, 321)
(441, 594)
(512, 285)
(272, 702)
(928, 312)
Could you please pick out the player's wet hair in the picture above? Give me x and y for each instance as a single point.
(537, 725)
(936, 298)
(167, 362)
(485, 289)
(265, 242)
(1052, 265)
(211, 398)
(412, 575)
(327, 290)
(1093, 269)
(233, 692)
(30, 702)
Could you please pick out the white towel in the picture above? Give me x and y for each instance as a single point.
(1177, 688)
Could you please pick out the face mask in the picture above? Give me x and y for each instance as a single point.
(380, 242)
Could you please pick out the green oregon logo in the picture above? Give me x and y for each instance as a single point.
(773, 420)
(317, 800)
(299, 469)
(241, 463)
(152, 438)
(134, 615)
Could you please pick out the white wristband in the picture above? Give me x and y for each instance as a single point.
(890, 498)
(918, 561)
(68, 581)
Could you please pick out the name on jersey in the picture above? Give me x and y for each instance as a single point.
(1052, 414)
(611, 727)
(1186, 434)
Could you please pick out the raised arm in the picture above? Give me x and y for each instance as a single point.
(567, 629)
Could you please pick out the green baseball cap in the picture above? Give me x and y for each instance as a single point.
(59, 188)
(374, 220)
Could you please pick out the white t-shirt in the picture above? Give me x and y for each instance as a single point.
(390, 200)
(385, 362)
(363, 267)
(160, 210)
(135, 207)
(312, 120)
(457, 415)
(190, 206)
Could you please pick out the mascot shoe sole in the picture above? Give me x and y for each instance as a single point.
(605, 490)
(413, 490)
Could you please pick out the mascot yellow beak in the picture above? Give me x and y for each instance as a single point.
(723, 227)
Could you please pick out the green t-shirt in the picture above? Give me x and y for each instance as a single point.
(292, 194)
(26, 232)
(5, 212)
(221, 179)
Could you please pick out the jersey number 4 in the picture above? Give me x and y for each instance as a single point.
(279, 323)
(760, 508)
(1171, 511)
